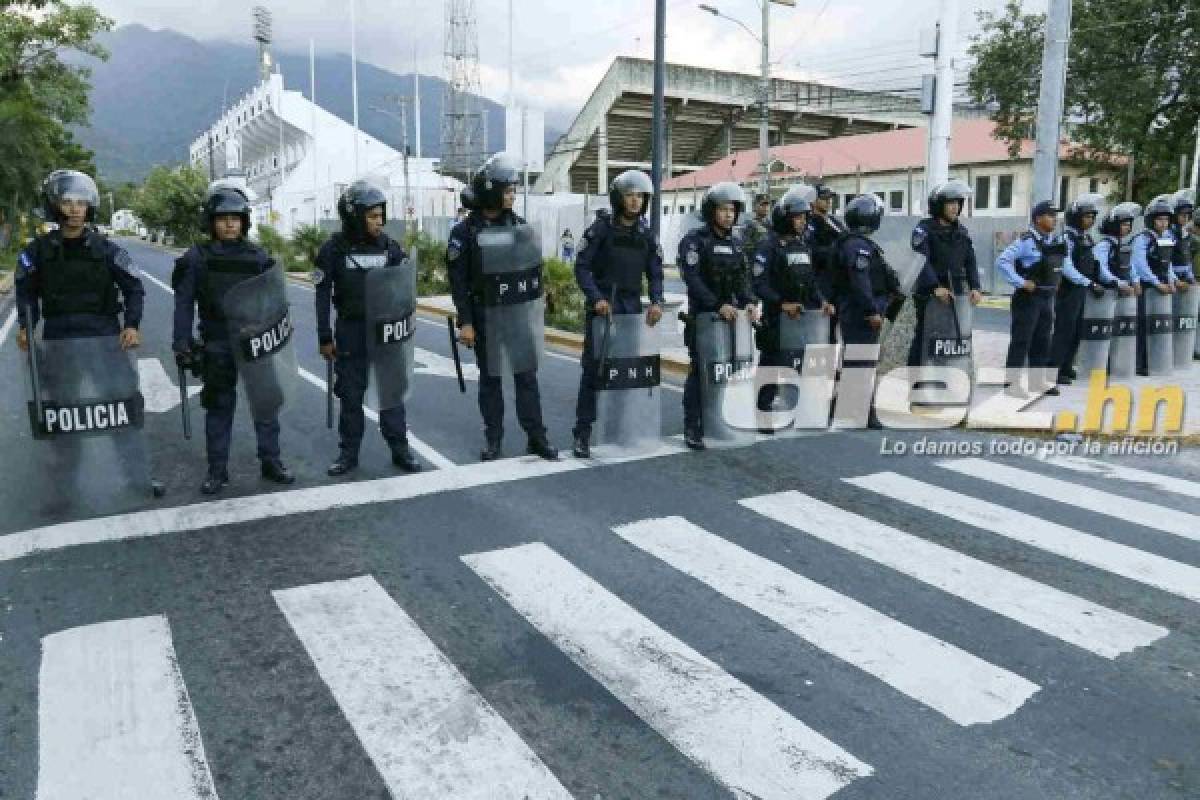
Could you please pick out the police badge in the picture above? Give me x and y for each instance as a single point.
(316, 276)
(693, 257)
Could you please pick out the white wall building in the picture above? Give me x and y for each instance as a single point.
(318, 160)
(125, 220)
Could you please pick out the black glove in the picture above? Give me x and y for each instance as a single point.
(183, 359)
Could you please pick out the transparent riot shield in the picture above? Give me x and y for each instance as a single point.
(725, 352)
(260, 333)
(1122, 356)
(804, 345)
(1185, 306)
(390, 309)
(88, 420)
(947, 339)
(1160, 347)
(514, 305)
(1096, 332)
(628, 383)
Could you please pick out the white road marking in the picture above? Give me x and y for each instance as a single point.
(8, 325)
(964, 688)
(1118, 472)
(430, 455)
(743, 740)
(160, 393)
(1119, 559)
(114, 717)
(1081, 622)
(428, 732)
(1139, 512)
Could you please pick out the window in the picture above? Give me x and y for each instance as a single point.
(835, 203)
(1064, 188)
(666, 210)
(983, 191)
(1004, 191)
(1094, 185)
(897, 201)
(850, 197)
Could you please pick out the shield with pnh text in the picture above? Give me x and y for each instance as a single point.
(628, 382)
(513, 300)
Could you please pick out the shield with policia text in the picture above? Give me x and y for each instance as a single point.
(1186, 306)
(628, 393)
(804, 345)
(947, 338)
(1096, 332)
(87, 411)
(1160, 333)
(1122, 355)
(728, 395)
(260, 333)
(390, 309)
(514, 305)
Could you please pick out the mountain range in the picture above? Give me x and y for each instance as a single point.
(160, 89)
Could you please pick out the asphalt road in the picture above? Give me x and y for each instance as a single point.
(799, 618)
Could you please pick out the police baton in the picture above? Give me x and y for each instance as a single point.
(329, 393)
(462, 384)
(36, 408)
(183, 402)
(607, 333)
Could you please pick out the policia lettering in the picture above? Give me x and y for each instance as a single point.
(269, 341)
(92, 417)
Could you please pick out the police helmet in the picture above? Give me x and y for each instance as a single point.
(720, 194)
(225, 198)
(1184, 201)
(1161, 206)
(1122, 212)
(864, 214)
(632, 180)
(359, 198)
(497, 174)
(796, 200)
(823, 190)
(1080, 207)
(947, 192)
(69, 184)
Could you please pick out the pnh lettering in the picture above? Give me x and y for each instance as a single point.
(523, 287)
(632, 374)
(270, 340)
(80, 419)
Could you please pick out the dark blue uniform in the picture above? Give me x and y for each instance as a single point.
(714, 268)
(342, 283)
(863, 287)
(612, 261)
(201, 277)
(949, 263)
(823, 234)
(465, 266)
(783, 272)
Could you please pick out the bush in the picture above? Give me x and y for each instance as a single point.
(430, 253)
(564, 300)
(306, 243)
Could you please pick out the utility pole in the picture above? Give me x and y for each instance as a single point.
(1196, 159)
(1050, 103)
(660, 37)
(764, 113)
(402, 117)
(354, 80)
(941, 124)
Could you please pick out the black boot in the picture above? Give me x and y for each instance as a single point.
(274, 471)
(581, 448)
(346, 462)
(694, 439)
(214, 482)
(540, 446)
(491, 451)
(403, 458)
(1070, 373)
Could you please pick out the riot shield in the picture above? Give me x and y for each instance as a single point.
(725, 352)
(628, 393)
(1160, 348)
(1096, 332)
(390, 308)
(946, 337)
(804, 345)
(1122, 355)
(514, 306)
(90, 427)
(1185, 306)
(260, 333)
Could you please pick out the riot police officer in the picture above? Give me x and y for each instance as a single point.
(824, 229)
(202, 278)
(343, 264)
(1185, 240)
(1034, 265)
(756, 228)
(714, 269)
(477, 293)
(785, 280)
(615, 253)
(950, 268)
(1068, 305)
(77, 282)
(865, 285)
(1153, 249)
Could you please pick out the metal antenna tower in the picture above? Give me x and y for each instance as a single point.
(464, 128)
(262, 35)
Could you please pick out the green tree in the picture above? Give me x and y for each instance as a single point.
(1133, 81)
(172, 200)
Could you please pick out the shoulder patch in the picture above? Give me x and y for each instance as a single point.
(453, 249)
(918, 235)
(122, 260)
(693, 256)
(317, 276)
(863, 260)
(758, 269)
(24, 263)
(760, 257)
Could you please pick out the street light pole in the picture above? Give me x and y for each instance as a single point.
(764, 90)
(656, 126)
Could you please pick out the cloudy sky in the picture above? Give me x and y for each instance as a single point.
(562, 47)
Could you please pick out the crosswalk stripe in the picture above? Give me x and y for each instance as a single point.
(966, 689)
(1081, 622)
(427, 731)
(114, 717)
(743, 740)
(1155, 480)
(1128, 562)
(1138, 512)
